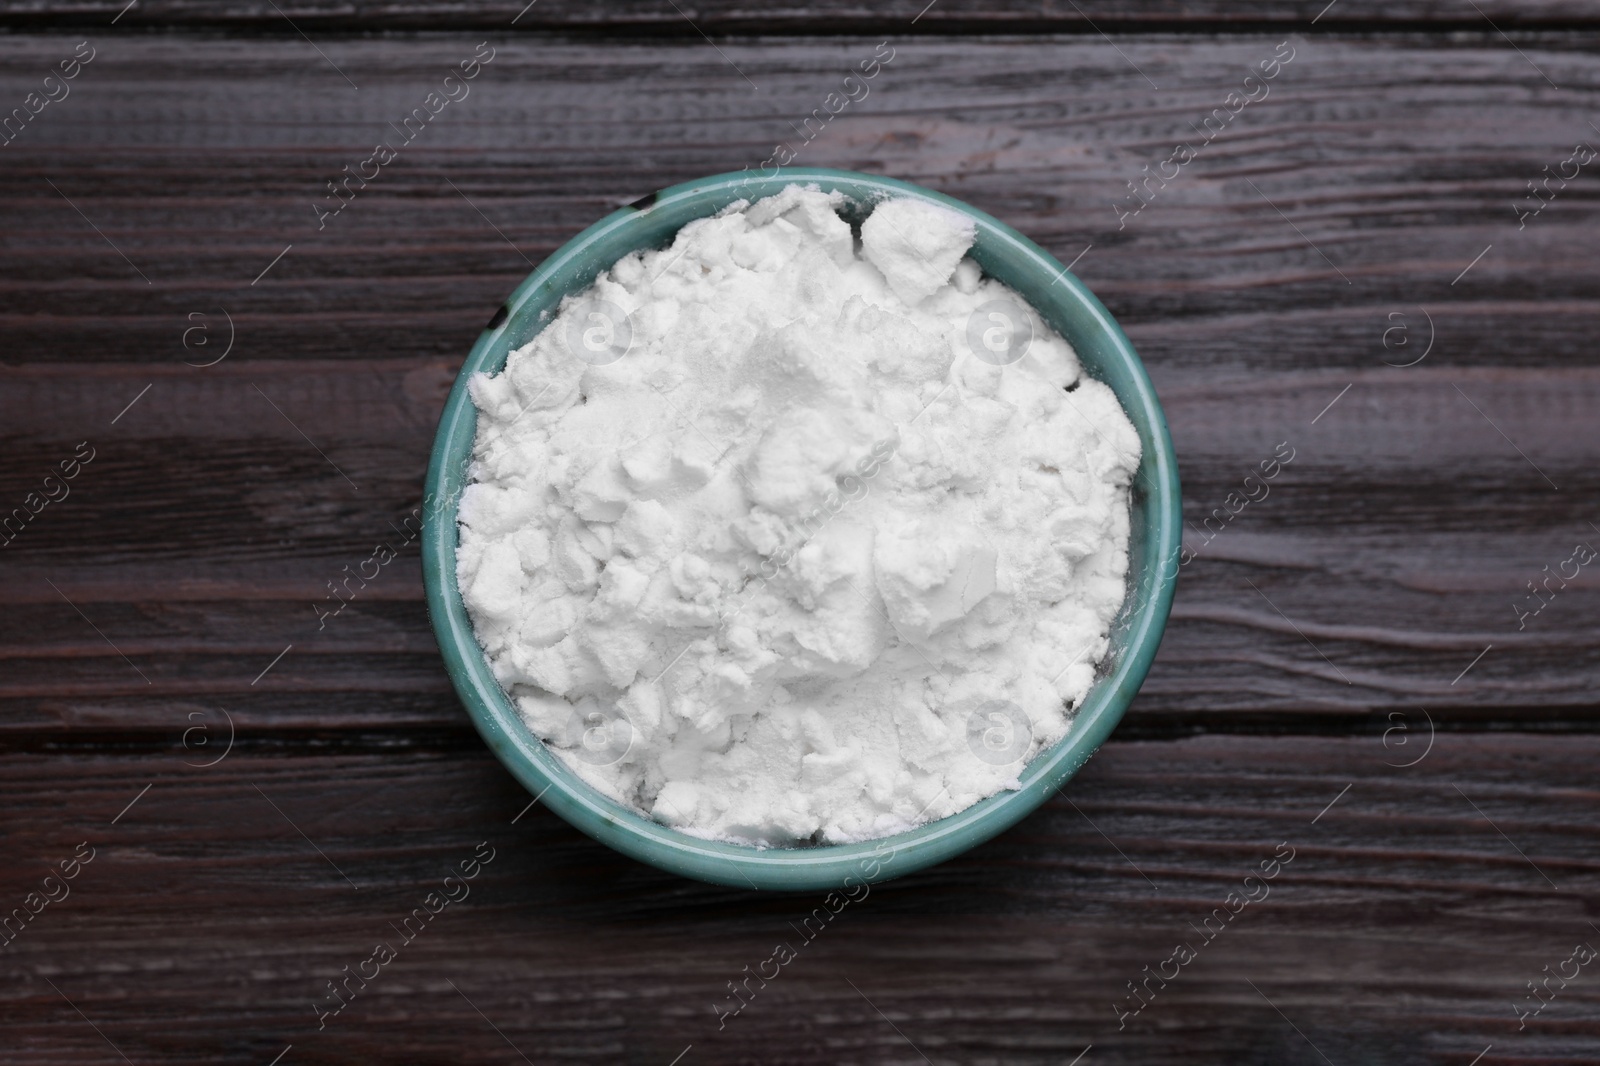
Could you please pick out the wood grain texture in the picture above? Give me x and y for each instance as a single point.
(1402, 930)
(202, 165)
(229, 526)
(1393, 550)
(831, 17)
(1331, 633)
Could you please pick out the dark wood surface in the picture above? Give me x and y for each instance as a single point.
(1331, 634)
(688, 19)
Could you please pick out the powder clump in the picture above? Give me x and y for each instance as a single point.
(779, 536)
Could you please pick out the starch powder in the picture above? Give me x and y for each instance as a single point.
(783, 535)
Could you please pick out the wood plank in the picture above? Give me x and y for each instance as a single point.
(1404, 928)
(829, 17)
(1401, 159)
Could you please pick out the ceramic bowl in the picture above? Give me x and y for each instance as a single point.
(1059, 297)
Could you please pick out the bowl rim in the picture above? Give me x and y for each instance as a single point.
(572, 268)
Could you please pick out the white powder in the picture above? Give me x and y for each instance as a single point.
(779, 559)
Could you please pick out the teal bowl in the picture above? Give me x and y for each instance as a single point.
(1003, 253)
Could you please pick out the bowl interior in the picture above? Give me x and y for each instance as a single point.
(1155, 532)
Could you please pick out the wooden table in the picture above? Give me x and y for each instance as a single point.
(1353, 674)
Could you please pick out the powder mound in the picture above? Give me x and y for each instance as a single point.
(782, 537)
(916, 245)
